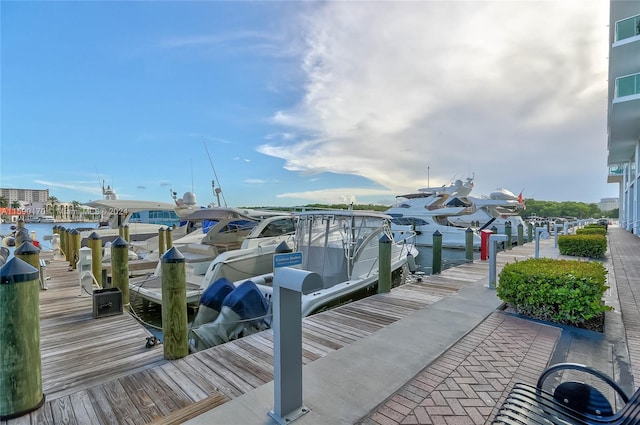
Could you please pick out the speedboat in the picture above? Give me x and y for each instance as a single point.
(234, 246)
(342, 246)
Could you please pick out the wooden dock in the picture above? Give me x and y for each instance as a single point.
(99, 371)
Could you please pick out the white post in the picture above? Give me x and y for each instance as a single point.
(288, 286)
(493, 250)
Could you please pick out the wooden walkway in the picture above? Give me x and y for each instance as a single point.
(99, 371)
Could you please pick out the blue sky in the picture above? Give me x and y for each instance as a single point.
(299, 102)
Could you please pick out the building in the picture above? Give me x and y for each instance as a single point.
(608, 204)
(25, 196)
(623, 119)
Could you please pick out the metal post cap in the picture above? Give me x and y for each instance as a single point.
(384, 238)
(27, 248)
(16, 271)
(437, 233)
(173, 256)
(94, 236)
(283, 248)
(119, 243)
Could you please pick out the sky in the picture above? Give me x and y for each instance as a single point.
(285, 103)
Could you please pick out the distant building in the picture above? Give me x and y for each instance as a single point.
(623, 125)
(608, 204)
(25, 196)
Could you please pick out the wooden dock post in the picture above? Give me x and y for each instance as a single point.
(507, 231)
(494, 230)
(21, 365)
(169, 240)
(468, 244)
(77, 242)
(95, 243)
(436, 266)
(530, 235)
(64, 234)
(384, 264)
(174, 305)
(28, 253)
(520, 234)
(126, 233)
(162, 241)
(121, 231)
(120, 268)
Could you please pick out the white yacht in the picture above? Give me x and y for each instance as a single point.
(430, 210)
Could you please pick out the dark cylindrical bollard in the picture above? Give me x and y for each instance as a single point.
(468, 244)
(174, 305)
(507, 231)
(120, 268)
(520, 234)
(95, 243)
(162, 241)
(384, 264)
(20, 362)
(169, 240)
(437, 252)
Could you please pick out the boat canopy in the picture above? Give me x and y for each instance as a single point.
(216, 214)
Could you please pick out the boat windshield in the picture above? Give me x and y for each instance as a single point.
(161, 217)
(329, 242)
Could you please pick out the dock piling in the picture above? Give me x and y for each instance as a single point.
(468, 244)
(174, 305)
(21, 365)
(120, 268)
(437, 252)
(95, 243)
(384, 264)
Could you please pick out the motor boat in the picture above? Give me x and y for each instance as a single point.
(342, 246)
(234, 246)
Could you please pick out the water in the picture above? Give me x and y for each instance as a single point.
(450, 258)
(44, 229)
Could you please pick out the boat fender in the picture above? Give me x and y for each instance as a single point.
(412, 263)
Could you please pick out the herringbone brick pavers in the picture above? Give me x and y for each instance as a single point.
(466, 383)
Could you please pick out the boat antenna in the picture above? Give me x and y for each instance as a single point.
(428, 183)
(218, 190)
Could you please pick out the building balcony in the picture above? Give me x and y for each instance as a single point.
(627, 30)
(615, 174)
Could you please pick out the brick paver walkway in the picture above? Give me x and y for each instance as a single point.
(466, 383)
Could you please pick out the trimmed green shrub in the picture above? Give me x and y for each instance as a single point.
(568, 292)
(591, 231)
(591, 246)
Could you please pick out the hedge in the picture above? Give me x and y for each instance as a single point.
(562, 291)
(591, 246)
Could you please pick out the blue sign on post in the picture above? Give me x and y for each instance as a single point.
(287, 259)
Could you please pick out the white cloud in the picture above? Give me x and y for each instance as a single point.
(484, 86)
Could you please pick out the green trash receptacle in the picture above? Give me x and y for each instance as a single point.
(20, 361)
